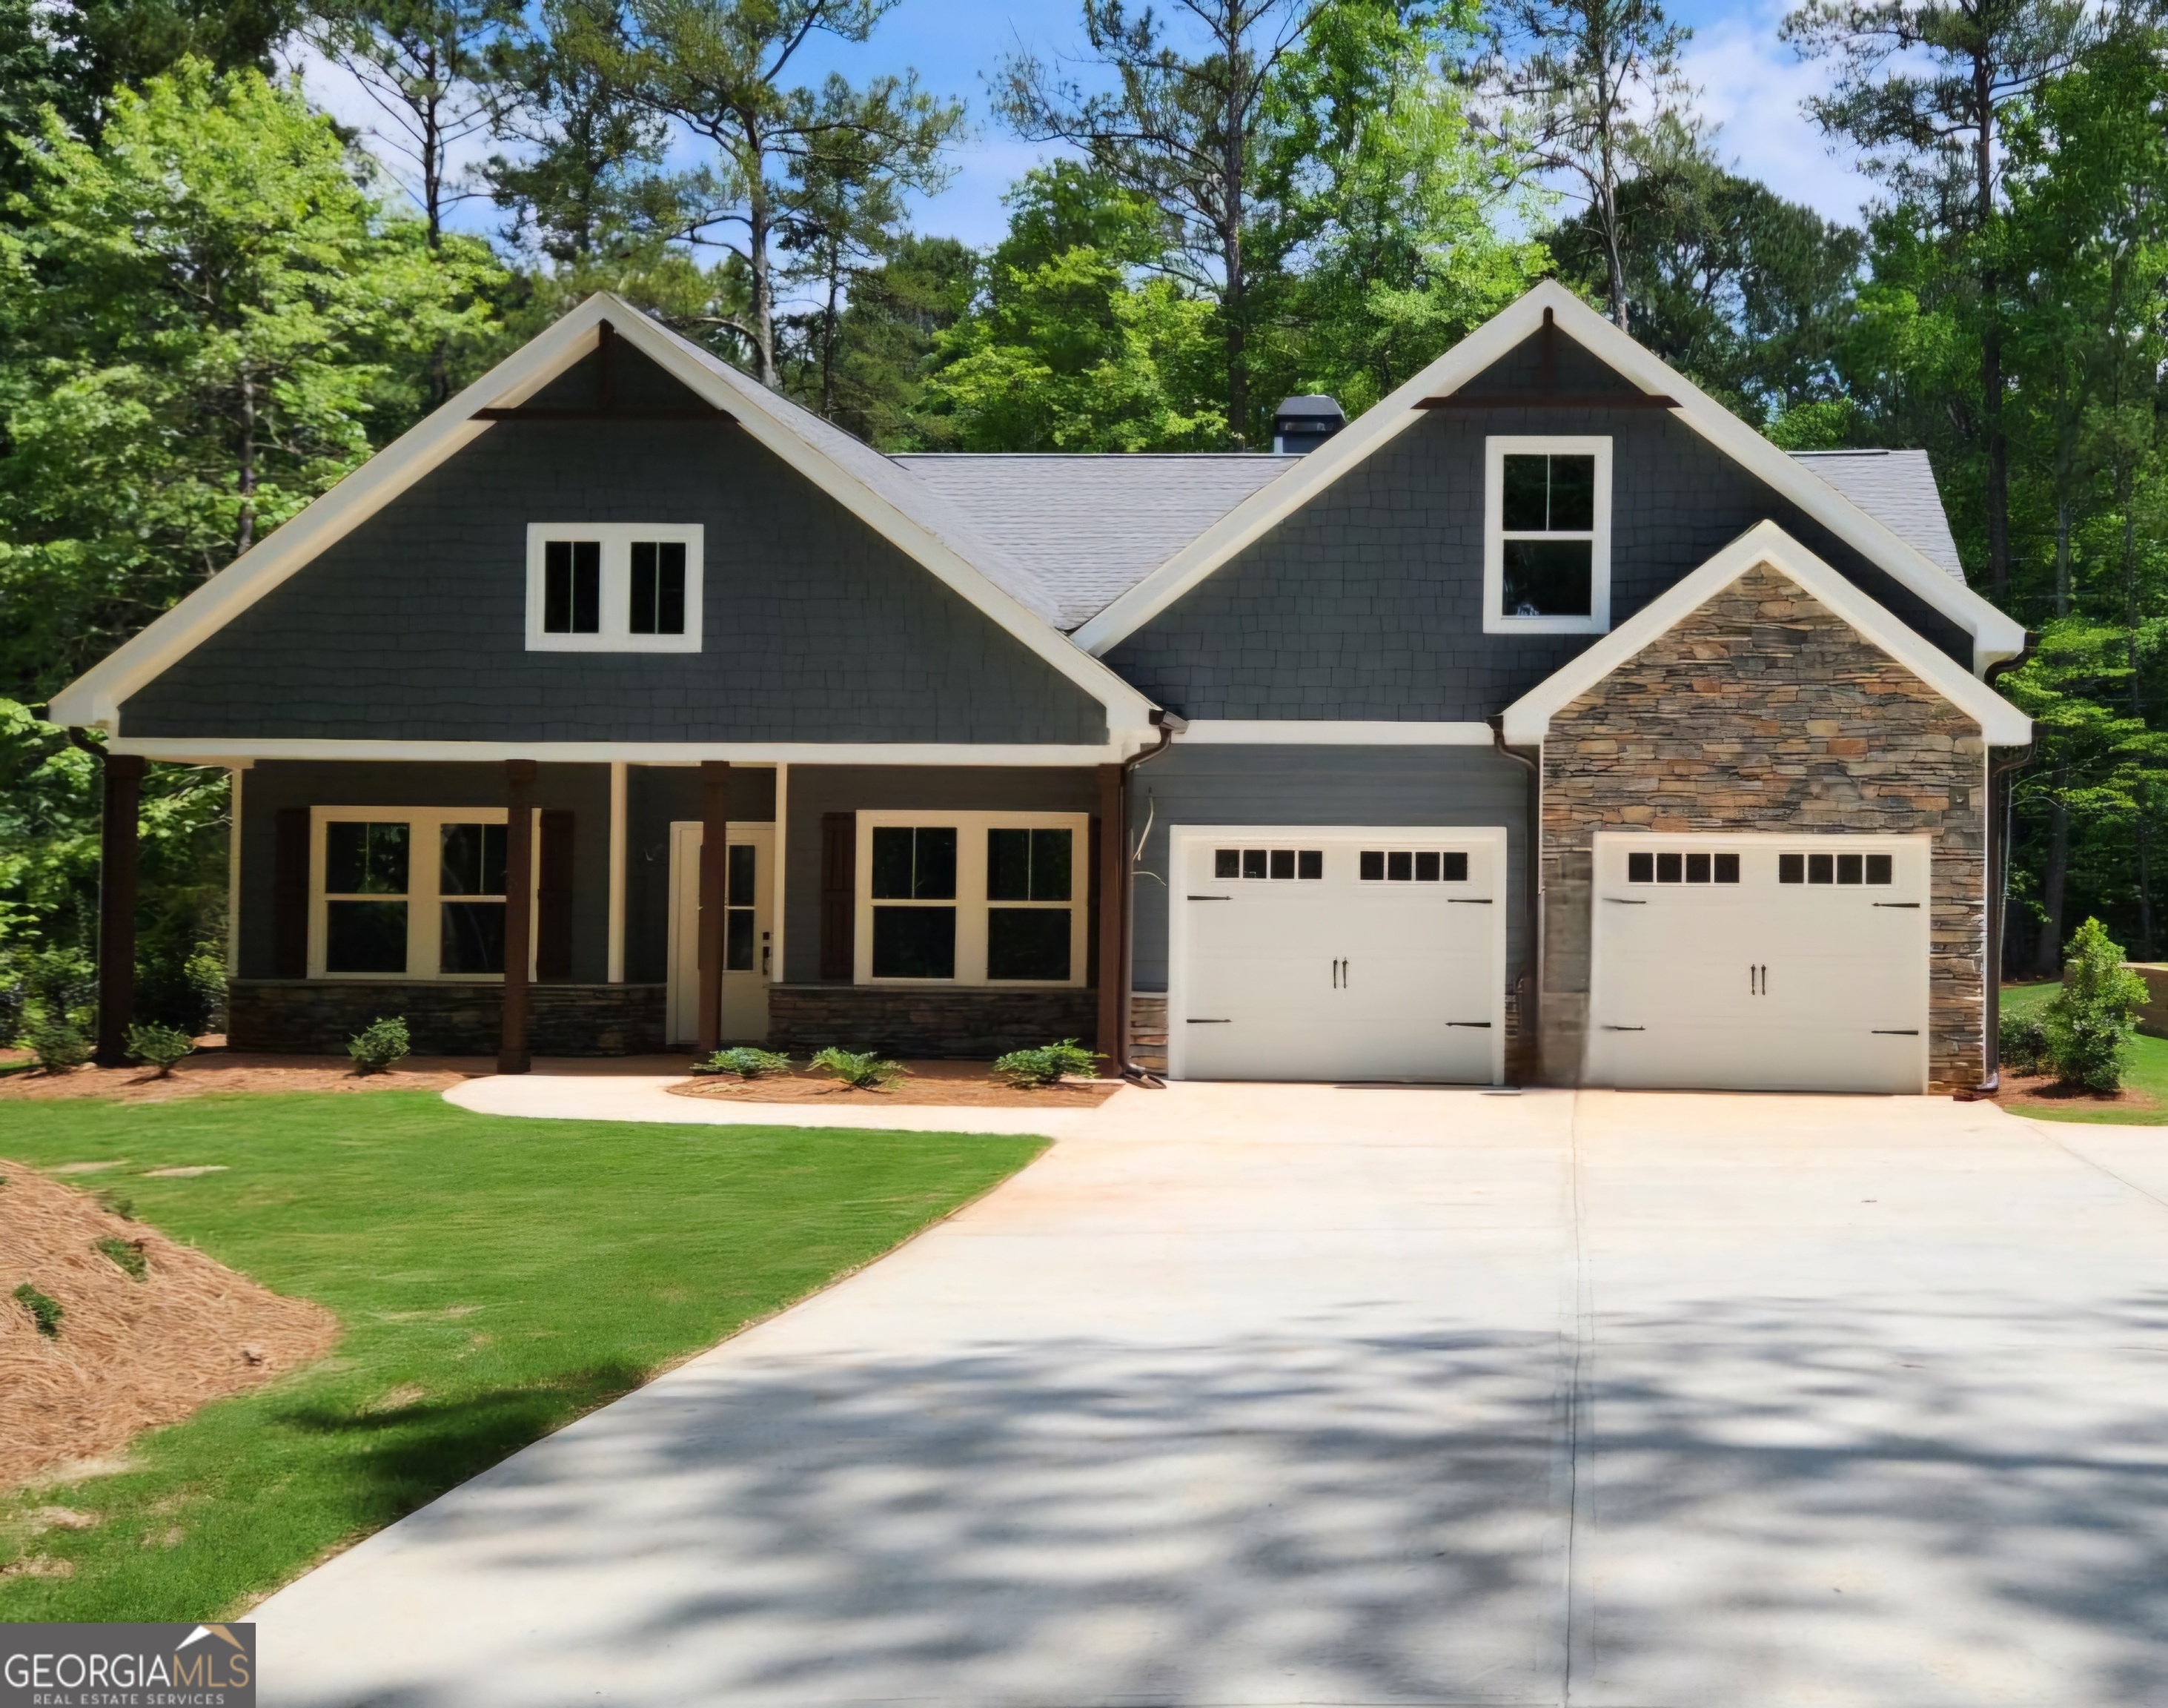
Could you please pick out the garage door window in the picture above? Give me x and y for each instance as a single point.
(1834, 869)
(1683, 867)
(1400, 865)
(1269, 864)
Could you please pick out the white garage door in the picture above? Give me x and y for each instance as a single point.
(1760, 963)
(1340, 953)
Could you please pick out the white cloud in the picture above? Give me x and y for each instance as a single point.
(1755, 87)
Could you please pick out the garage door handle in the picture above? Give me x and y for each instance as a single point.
(1894, 1032)
(1479, 1025)
(1625, 1028)
(1211, 898)
(1626, 901)
(1469, 901)
(1897, 904)
(1207, 1023)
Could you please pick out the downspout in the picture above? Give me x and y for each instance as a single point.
(1169, 725)
(1532, 910)
(1998, 889)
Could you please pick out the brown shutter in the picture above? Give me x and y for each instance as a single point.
(839, 898)
(290, 895)
(553, 898)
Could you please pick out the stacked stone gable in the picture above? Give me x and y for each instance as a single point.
(1764, 710)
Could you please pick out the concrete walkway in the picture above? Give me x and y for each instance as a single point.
(1261, 1395)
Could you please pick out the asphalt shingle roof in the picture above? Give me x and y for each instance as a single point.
(1897, 489)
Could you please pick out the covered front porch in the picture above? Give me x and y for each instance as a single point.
(931, 910)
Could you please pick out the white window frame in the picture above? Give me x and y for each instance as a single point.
(971, 904)
(616, 540)
(1496, 450)
(424, 919)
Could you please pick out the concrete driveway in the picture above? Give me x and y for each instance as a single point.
(1259, 1396)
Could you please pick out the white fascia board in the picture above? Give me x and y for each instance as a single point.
(748, 402)
(95, 697)
(1995, 637)
(1321, 732)
(249, 750)
(1528, 720)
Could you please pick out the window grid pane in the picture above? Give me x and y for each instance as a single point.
(364, 859)
(573, 587)
(471, 861)
(1027, 942)
(366, 937)
(472, 938)
(914, 943)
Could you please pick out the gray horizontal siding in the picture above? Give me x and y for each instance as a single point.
(413, 627)
(1202, 785)
(583, 790)
(815, 789)
(1367, 603)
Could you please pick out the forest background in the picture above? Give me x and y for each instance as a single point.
(217, 299)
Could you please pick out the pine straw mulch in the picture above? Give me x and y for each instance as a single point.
(2021, 1092)
(954, 1085)
(218, 1070)
(131, 1356)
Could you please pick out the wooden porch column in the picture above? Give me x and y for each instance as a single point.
(1113, 923)
(116, 907)
(714, 846)
(512, 1053)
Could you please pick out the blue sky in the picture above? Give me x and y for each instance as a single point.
(1752, 84)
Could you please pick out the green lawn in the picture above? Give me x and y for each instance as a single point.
(515, 1273)
(2149, 1072)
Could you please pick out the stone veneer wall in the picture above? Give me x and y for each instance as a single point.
(1764, 710)
(963, 1024)
(316, 1017)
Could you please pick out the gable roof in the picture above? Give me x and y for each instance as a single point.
(1088, 528)
(1897, 488)
(1528, 720)
(1995, 636)
(906, 512)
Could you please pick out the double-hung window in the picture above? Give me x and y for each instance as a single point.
(1547, 535)
(971, 898)
(407, 892)
(613, 587)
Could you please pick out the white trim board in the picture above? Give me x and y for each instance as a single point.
(183, 750)
(1995, 636)
(1323, 732)
(95, 697)
(1528, 720)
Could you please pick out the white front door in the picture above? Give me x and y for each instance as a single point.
(1338, 954)
(1760, 963)
(748, 931)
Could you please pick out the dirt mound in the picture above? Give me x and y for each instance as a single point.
(129, 1353)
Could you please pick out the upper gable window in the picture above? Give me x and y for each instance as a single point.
(1547, 535)
(613, 587)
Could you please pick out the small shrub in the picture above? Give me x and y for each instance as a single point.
(2090, 1023)
(128, 1255)
(58, 1045)
(45, 1310)
(866, 1072)
(61, 986)
(746, 1062)
(2022, 1045)
(159, 1046)
(1047, 1065)
(379, 1045)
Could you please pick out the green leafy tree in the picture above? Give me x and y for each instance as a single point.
(1745, 293)
(1384, 236)
(1180, 124)
(896, 314)
(1072, 343)
(206, 317)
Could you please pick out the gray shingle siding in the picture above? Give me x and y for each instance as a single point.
(412, 627)
(1202, 785)
(1367, 603)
